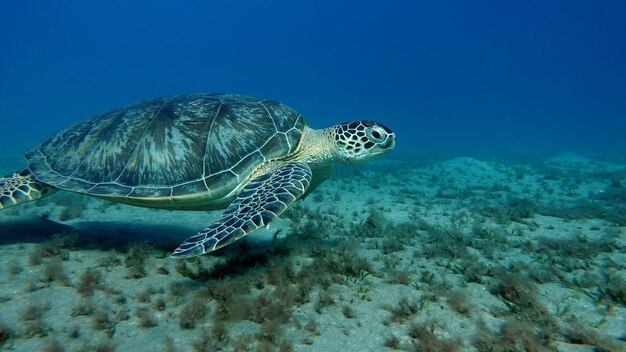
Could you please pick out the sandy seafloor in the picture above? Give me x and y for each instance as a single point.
(447, 255)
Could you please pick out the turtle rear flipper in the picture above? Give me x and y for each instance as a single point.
(258, 204)
(21, 187)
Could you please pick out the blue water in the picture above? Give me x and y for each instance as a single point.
(532, 253)
(479, 78)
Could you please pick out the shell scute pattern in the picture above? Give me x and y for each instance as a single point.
(179, 191)
(169, 147)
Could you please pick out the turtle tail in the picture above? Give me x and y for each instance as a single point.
(22, 187)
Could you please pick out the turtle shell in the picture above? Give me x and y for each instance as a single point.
(169, 147)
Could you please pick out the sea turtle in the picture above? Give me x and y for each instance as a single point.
(252, 157)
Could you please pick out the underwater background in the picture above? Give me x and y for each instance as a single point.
(453, 77)
(498, 223)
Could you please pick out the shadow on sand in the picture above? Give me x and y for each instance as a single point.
(100, 235)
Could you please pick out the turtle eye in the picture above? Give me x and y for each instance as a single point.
(376, 135)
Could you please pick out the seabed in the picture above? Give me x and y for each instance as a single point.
(459, 255)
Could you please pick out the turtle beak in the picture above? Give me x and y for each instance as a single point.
(390, 143)
(385, 146)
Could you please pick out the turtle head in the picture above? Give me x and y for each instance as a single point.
(360, 141)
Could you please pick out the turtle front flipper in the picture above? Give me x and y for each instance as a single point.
(258, 204)
(21, 187)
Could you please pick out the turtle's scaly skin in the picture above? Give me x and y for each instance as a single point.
(21, 187)
(170, 152)
(258, 204)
